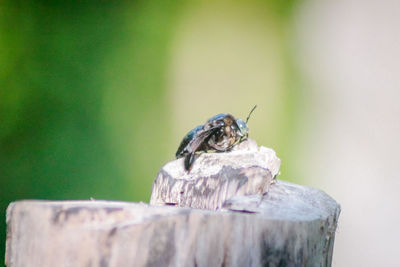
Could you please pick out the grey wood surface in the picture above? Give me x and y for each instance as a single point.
(250, 223)
(217, 177)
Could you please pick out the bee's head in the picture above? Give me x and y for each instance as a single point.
(243, 129)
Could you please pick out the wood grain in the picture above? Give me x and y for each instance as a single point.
(246, 221)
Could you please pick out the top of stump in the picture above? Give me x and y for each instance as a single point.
(246, 154)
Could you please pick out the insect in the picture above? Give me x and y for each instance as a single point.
(220, 133)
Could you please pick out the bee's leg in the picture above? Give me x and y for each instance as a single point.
(189, 159)
(218, 147)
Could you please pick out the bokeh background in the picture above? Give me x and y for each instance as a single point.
(95, 98)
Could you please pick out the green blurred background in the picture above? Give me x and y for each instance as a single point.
(95, 97)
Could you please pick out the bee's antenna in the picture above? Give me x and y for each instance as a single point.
(248, 117)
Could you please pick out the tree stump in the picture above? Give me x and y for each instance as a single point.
(217, 177)
(247, 218)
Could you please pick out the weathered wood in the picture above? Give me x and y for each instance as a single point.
(217, 177)
(296, 228)
(256, 224)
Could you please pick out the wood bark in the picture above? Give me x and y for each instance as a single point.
(246, 221)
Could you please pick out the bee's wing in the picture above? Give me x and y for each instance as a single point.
(196, 143)
(186, 140)
(181, 149)
(201, 138)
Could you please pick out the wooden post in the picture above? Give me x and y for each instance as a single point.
(247, 219)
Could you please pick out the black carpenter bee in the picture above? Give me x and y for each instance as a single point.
(220, 133)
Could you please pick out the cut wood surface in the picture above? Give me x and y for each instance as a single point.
(250, 222)
(217, 177)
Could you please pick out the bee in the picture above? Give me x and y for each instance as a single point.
(219, 134)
